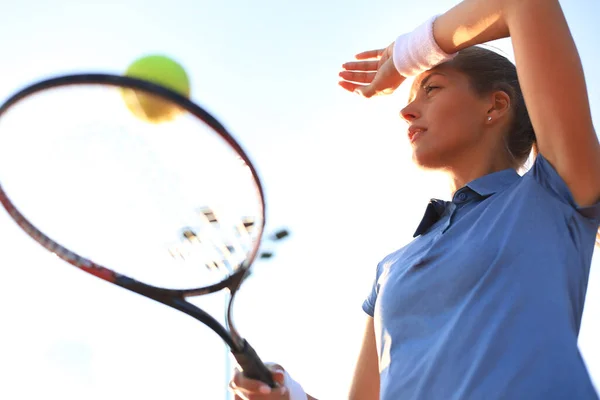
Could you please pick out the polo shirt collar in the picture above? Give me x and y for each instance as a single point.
(484, 186)
(495, 182)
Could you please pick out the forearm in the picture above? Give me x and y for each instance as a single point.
(471, 22)
(550, 75)
(544, 51)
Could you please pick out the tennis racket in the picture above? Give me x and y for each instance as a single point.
(168, 211)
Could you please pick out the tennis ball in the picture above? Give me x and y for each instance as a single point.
(161, 70)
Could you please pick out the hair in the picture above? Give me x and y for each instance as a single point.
(488, 72)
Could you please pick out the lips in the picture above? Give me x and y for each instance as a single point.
(414, 132)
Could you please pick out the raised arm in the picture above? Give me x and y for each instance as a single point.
(550, 74)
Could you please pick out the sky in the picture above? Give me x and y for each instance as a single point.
(336, 170)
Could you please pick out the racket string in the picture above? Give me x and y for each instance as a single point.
(218, 248)
(125, 193)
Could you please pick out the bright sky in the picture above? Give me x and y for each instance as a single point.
(336, 169)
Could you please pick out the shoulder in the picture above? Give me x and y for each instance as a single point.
(544, 175)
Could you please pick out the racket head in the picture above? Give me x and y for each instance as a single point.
(85, 125)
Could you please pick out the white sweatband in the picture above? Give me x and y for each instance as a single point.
(417, 51)
(294, 388)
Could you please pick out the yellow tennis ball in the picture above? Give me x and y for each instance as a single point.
(161, 70)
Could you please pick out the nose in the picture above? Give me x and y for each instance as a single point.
(409, 113)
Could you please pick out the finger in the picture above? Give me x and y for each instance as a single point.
(366, 91)
(244, 394)
(369, 54)
(361, 65)
(247, 385)
(374, 89)
(349, 86)
(238, 394)
(274, 367)
(387, 81)
(277, 371)
(279, 393)
(279, 377)
(361, 77)
(275, 394)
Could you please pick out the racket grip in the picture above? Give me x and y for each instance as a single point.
(252, 366)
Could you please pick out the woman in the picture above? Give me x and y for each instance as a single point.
(486, 301)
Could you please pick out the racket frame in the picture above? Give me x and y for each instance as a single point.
(245, 355)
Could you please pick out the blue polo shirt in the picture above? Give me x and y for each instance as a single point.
(486, 301)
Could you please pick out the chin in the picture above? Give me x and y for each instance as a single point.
(427, 160)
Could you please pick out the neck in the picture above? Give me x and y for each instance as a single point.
(469, 169)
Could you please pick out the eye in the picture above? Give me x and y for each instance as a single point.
(429, 88)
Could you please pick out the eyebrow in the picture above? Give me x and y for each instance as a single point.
(425, 80)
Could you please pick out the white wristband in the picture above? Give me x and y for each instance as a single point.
(294, 388)
(417, 51)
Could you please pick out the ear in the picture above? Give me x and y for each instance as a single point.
(499, 107)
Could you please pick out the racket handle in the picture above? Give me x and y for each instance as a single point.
(252, 366)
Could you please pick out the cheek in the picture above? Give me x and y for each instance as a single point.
(452, 128)
(453, 120)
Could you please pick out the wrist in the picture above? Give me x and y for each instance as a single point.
(418, 51)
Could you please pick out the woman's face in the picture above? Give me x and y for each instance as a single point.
(446, 119)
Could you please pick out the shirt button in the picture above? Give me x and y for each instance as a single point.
(462, 196)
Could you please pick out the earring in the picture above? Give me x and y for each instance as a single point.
(489, 118)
